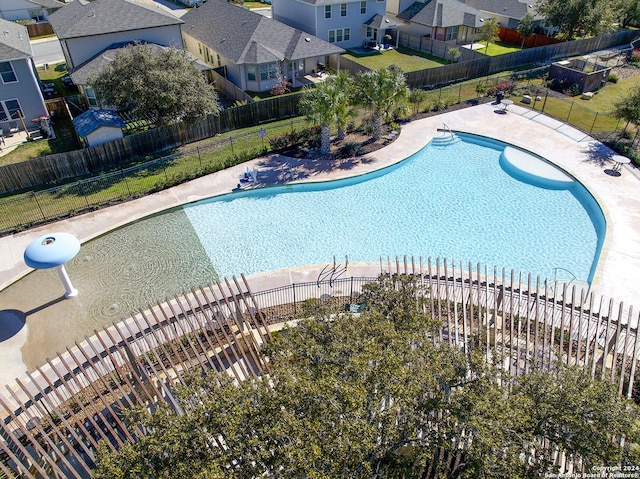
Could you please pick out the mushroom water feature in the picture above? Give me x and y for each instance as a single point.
(53, 250)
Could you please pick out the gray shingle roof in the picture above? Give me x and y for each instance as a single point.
(243, 36)
(14, 41)
(81, 74)
(47, 3)
(81, 18)
(507, 8)
(382, 21)
(436, 13)
(94, 118)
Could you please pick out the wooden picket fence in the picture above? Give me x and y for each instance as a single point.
(54, 419)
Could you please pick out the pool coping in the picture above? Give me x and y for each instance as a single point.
(572, 150)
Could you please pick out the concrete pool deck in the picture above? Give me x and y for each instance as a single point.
(618, 269)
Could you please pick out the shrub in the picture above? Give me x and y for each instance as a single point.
(634, 59)
(613, 78)
(351, 149)
(482, 88)
(503, 86)
(309, 137)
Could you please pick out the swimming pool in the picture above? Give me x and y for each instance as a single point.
(454, 202)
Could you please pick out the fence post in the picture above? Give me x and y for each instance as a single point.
(459, 92)
(594, 123)
(570, 109)
(124, 176)
(231, 141)
(199, 159)
(546, 95)
(35, 197)
(84, 195)
(295, 306)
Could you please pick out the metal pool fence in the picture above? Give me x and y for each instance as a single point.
(54, 418)
(36, 207)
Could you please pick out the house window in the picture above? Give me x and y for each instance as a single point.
(218, 58)
(371, 33)
(7, 73)
(267, 71)
(339, 35)
(327, 11)
(452, 33)
(9, 110)
(343, 9)
(251, 73)
(37, 15)
(200, 48)
(90, 93)
(363, 7)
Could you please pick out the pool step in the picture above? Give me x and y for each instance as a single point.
(444, 138)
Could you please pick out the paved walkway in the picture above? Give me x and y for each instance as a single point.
(618, 269)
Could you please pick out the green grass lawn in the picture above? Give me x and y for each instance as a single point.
(54, 75)
(499, 48)
(252, 5)
(408, 60)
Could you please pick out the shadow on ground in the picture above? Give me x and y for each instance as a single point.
(277, 169)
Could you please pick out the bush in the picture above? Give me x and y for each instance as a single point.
(309, 137)
(613, 78)
(503, 86)
(482, 89)
(634, 59)
(351, 149)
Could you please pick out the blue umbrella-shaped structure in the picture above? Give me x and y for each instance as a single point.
(53, 250)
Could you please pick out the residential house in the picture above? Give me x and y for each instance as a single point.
(445, 20)
(250, 49)
(346, 23)
(86, 29)
(507, 13)
(21, 99)
(37, 10)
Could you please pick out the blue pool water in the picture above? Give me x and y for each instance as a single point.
(452, 202)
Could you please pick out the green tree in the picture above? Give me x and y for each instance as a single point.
(373, 396)
(329, 103)
(578, 17)
(384, 92)
(526, 27)
(164, 85)
(628, 12)
(318, 104)
(489, 31)
(453, 53)
(343, 85)
(628, 108)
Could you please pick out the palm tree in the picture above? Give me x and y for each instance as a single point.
(383, 92)
(342, 85)
(317, 104)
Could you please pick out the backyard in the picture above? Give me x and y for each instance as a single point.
(408, 60)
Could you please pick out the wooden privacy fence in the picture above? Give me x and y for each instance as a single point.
(488, 65)
(39, 29)
(54, 419)
(511, 35)
(58, 167)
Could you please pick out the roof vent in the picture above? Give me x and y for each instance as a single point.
(307, 39)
